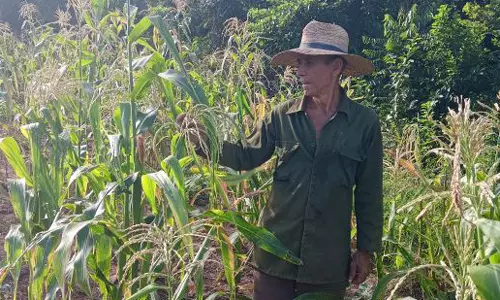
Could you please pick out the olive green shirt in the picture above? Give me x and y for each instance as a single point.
(314, 183)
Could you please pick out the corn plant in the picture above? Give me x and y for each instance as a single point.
(459, 203)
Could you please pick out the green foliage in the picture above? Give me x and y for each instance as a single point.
(417, 64)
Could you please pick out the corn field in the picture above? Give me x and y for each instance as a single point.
(112, 202)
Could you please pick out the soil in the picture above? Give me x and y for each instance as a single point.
(214, 272)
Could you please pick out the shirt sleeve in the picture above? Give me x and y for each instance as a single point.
(252, 151)
(368, 194)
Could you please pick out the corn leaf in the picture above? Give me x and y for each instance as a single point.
(176, 173)
(233, 179)
(228, 258)
(144, 121)
(78, 265)
(487, 280)
(96, 123)
(260, 236)
(13, 154)
(149, 188)
(125, 119)
(158, 22)
(177, 205)
(491, 229)
(142, 83)
(182, 81)
(139, 29)
(19, 203)
(14, 247)
(145, 291)
(63, 251)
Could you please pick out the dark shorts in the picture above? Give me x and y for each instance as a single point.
(268, 287)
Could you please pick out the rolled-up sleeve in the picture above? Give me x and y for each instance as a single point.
(368, 194)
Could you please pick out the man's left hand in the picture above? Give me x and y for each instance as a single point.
(360, 267)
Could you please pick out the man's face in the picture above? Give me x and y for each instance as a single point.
(317, 73)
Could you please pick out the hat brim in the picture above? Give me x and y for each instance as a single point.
(355, 65)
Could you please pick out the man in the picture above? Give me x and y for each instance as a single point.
(328, 148)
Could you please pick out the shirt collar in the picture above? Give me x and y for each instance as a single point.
(344, 105)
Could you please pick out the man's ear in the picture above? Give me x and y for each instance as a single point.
(339, 65)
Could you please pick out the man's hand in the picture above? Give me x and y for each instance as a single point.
(360, 267)
(195, 132)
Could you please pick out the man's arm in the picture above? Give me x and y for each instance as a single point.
(248, 153)
(368, 195)
(252, 152)
(368, 206)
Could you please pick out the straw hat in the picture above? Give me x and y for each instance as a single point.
(320, 38)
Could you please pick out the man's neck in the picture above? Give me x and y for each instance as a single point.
(327, 102)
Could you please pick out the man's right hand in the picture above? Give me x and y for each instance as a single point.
(194, 131)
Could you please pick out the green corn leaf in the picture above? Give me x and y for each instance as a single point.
(13, 154)
(233, 179)
(19, 203)
(176, 173)
(176, 147)
(103, 253)
(175, 200)
(36, 261)
(106, 287)
(145, 121)
(82, 170)
(145, 291)
(487, 280)
(125, 120)
(149, 188)
(139, 29)
(140, 62)
(145, 44)
(158, 22)
(47, 200)
(97, 128)
(182, 81)
(52, 287)
(14, 247)
(63, 251)
(41, 249)
(176, 204)
(78, 265)
(142, 83)
(260, 236)
(228, 258)
(491, 229)
(192, 89)
(137, 199)
(401, 249)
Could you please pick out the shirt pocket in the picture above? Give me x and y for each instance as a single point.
(283, 170)
(350, 159)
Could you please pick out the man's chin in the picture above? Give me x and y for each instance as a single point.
(308, 93)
